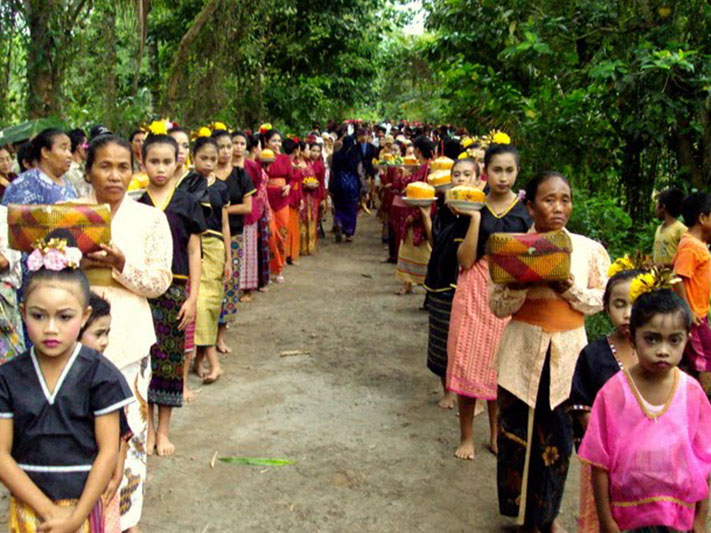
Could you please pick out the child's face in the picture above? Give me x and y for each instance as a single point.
(463, 174)
(224, 149)
(160, 164)
(206, 160)
(501, 173)
(705, 223)
(659, 211)
(96, 335)
(660, 343)
(183, 146)
(54, 314)
(619, 307)
(239, 146)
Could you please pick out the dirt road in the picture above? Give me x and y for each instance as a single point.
(358, 414)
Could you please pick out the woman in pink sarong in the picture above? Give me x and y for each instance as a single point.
(474, 331)
(649, 436)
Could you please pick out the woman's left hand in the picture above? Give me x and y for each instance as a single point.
(285, 191)
(108, 257)
(228, 271)
(187, 314)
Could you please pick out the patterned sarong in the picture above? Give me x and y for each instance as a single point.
(231, 297)
(168, 353)
(249, 269)
(23, 518)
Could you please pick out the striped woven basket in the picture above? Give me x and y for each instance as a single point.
(90, 225)
(529, 257)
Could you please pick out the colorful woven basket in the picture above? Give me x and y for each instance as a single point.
(89, 224)
(529, 257)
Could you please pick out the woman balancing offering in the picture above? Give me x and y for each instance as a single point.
(537, 355)
(474, 331)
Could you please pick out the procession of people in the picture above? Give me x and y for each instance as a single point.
(99, 334)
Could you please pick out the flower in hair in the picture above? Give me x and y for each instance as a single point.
(655, 280)
(218, 126)
(204, 132)
(265, 128)
(499, 137)
(637, 261)
(53, 255)
(158, 127)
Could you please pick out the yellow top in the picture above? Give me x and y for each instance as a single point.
(666, 241)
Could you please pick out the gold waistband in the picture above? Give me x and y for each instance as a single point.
(102, 277)
(276, 182)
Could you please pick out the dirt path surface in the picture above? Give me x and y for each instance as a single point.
(358, 414)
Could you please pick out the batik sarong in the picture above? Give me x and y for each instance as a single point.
(168, 353)
(440, 309)
(132, 489)
(534, 454)
(230, 299)
(249, 269)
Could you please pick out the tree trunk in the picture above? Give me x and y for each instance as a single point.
(688, 166)
(632, 177)
(110, 82)
(43, 96)
(181, 55)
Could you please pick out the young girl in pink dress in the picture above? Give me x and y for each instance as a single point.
(649, 436)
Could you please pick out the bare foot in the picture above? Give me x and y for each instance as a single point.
(447, 401)
(133, 529)
(150, 442)
(403, 290)
(212, 376)
(163, 446)
(263, 289)
(245, 298)
(223, 348)
(494, 446)
(465, 451)
(188, 395)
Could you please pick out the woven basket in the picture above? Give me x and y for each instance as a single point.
(529, 257)
(90, 225)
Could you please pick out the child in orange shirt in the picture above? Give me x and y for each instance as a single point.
(692, 263)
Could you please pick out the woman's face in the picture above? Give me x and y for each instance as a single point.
(110, 173)
(59, 158)
(315, 152)
(5, 162)
(463, 174)
(137, 144)
(306, 152)
(552, 205)
(274, 143)
(206, 160)
(239, 146)
(409, 150)
(224, 149)
(501, 173)
(183, 146)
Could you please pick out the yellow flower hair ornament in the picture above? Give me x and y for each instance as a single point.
(158, 127)
(203, 132)
(218, 126)
(265, 128)
(655, 280)
(499, 137)
(637, 261)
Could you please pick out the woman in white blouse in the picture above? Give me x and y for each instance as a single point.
(136, 266)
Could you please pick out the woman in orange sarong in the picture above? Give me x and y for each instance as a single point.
(280, 177)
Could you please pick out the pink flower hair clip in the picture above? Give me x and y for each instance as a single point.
(54, 255)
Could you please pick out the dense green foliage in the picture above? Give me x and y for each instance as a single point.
(289, 61)
(616, 94)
